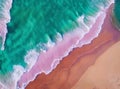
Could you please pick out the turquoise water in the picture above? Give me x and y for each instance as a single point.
(33, 22)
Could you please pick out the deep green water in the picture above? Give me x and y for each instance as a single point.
(37, 21)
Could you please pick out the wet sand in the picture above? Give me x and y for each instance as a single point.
(86, 66)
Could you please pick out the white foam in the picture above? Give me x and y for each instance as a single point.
(96, 32)
(4, 19)
(3, 32)
(31, 58)
(9, 81)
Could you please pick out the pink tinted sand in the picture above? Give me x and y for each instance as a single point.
(48, 60)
